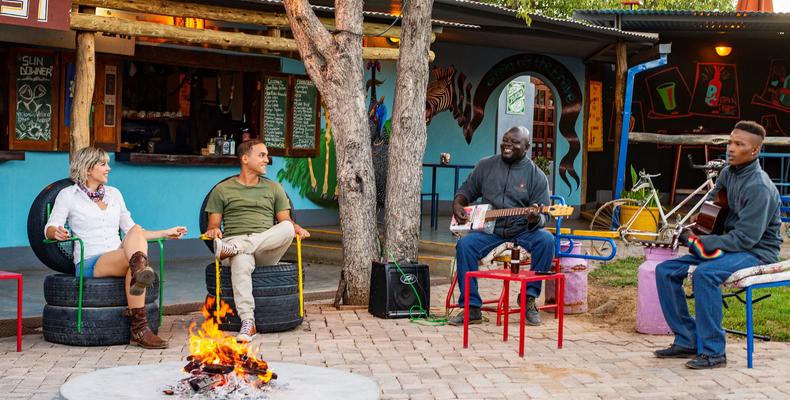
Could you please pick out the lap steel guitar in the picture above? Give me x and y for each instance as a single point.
(482, 218)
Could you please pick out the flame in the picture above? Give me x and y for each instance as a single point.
(209, 345)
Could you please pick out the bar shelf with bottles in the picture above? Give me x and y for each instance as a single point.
(179, 115)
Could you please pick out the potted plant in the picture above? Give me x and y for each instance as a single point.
(647, 220)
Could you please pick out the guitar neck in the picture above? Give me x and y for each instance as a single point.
(511, 212)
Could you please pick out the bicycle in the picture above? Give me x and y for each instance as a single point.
(667, 231)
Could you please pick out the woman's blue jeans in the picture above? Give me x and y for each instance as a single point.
(474, 246)
(706, 281)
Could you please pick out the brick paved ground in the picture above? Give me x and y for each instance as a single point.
(411, 361)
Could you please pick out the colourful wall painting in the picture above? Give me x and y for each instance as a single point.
(595, 117)
(568, 93)
(670, 96)
(637, 123)
(776, 92)
(716, 91)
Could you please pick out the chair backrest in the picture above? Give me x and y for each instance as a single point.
(784, 209)
(57, 256)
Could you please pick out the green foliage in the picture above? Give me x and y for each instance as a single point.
(297, 173)
(618, 273)
(640, 195)
(565, 8)
(542, 163)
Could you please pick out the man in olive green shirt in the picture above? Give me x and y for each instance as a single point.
(248, 205)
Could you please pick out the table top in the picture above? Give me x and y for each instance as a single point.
(523, 275)
(9, 275)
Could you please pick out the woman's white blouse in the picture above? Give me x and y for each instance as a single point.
(99, 229)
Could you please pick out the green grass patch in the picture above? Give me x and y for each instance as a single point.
(771, 316)
(618, 273)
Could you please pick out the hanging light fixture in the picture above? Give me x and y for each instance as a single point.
(723, 50)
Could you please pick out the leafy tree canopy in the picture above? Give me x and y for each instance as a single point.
(565, 8)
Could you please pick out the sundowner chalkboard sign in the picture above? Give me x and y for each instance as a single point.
(34, 84)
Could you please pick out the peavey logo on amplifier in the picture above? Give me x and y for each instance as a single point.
(408, 279)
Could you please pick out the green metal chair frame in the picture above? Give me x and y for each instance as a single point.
(161, 243)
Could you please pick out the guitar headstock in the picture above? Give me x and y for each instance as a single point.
(558, 210)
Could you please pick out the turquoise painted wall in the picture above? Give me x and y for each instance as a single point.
(445, 136)
(158, 196)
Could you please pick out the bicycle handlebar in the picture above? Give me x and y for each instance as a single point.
(712, 165)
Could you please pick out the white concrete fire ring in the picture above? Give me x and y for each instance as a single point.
(146, 382)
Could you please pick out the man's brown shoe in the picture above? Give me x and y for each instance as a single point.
(142, 274)
(141, 333)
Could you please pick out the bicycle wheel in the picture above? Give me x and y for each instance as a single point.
(603, 221)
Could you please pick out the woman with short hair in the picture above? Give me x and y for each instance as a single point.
(96, 213)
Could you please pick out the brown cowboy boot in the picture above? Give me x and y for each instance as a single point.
(141, 333)
(142, 274)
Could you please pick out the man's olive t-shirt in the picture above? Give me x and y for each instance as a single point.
(247, 209)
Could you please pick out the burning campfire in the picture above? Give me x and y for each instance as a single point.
(218, 365)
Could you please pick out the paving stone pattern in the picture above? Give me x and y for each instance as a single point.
(411, 361)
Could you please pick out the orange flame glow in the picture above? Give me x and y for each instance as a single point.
(209, 345)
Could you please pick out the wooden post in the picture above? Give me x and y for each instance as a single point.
(84, 81)
(621, 70)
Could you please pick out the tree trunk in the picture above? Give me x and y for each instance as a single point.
(84, 81)
(408, 137)
(334, 63)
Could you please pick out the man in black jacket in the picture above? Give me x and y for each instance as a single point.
(751, 237)
(507, 180)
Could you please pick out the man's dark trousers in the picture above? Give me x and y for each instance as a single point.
(706, 281)
(474, 246)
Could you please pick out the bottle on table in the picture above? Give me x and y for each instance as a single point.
(218, 143)
(225, 146)
(515, 259)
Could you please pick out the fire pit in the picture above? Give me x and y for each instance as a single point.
(218, 367)
(146, 382)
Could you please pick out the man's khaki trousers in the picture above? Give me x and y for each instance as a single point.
(264, 249)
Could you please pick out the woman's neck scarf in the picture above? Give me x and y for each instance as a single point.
(96, 196)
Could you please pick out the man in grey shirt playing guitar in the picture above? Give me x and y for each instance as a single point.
(507, 180)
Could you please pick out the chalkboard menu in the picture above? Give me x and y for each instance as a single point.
(291, 121)
(34, 87)
(304, 114)
(275, 112)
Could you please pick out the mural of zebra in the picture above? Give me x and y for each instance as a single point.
(448, 90)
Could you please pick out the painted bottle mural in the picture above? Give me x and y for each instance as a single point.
(714, 88)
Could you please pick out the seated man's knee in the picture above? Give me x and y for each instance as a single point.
(705, 274)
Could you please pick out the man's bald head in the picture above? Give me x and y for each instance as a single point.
(515, 144)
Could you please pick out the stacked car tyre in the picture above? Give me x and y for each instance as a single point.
(103, 299)
(275, 290)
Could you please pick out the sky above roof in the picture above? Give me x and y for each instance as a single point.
(782, 5)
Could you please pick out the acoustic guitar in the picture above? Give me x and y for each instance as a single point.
(483, 218)
(710, 220)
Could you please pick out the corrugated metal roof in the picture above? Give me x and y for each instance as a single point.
(569, 23)
(669, 20)
(708, 13)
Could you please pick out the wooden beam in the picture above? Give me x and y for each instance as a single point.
(716, 140)
(621, 70)
(85, 22)
(84, 81)
(204, 59)
(227, 14)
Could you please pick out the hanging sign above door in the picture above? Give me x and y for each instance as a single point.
(48, 14)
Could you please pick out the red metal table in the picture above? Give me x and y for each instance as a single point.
(523, 277)
(11, 275)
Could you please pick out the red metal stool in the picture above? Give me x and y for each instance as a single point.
(500, 301)
(12, 275)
